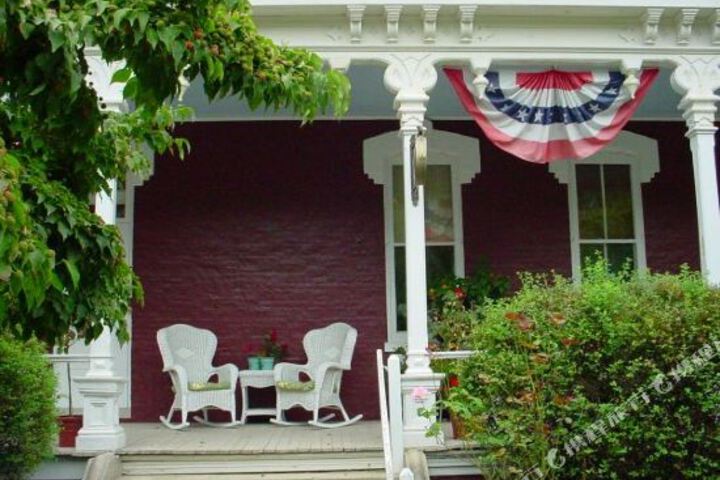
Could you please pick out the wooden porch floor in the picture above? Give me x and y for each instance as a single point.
(254, 438)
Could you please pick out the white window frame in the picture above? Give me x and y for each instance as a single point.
(380, 154)
(637, 151)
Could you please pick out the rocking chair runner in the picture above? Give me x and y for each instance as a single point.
(187, 354)
(329, 352)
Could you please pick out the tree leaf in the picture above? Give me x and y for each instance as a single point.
(57, 39)
(73, 271)
(122, 75)
(130, 89)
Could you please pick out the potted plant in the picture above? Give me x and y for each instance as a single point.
(253, 358)
(272, 351)
(69, 424)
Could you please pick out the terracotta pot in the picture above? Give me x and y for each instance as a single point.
(458, 426)
(69, 427)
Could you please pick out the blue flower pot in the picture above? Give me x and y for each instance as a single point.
(267, 363)
(254, 363)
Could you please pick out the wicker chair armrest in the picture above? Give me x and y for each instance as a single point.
(324, 367)
(226, 373)
(179, 377)
(289, 371)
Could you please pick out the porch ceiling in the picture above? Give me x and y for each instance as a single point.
(370, 100)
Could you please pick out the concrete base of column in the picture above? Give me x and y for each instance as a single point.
(419, 392)
(101, 431)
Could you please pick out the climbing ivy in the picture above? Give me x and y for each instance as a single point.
(60, 266)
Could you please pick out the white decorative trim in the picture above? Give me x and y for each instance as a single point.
(430, 14)
(715, 25)
(392, 19)
(651, 22)
(99, 76)
(685, 20)
(638, 151)
(466, 15)
(697, 79)
(380, 154)
(355, 16)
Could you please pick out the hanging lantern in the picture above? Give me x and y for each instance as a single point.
(418, 162)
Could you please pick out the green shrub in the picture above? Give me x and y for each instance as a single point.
(28, 419)
(616, 379)
(452, 302)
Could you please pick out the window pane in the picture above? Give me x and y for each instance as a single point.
(398, 204)
(620, 253)
(590, 205)
(618, 201)
(440, 263)
(400, 290)
(590, 252)
(438, 204)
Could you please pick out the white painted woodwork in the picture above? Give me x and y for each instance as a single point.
(698, 79)
(380, 155)
(410, 77)
(100, 387)
(397, 444)
(388, 458)
(637, 151)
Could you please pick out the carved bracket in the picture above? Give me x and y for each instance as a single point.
(392, 19)
(651, 23)
(685, 21)
(355, 16)
(430, 14)
(466, 14)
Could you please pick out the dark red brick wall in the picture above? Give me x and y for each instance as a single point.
(515, 213)
(264, 225)
(271, 225)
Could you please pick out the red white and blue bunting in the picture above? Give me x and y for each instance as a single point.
(553, 115)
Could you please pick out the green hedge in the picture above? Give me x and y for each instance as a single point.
(616, 379)
(28, 418)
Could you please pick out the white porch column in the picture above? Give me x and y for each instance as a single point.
(697, 78)
(101, 388)
(410, 78)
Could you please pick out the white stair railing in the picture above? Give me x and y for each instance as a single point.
(393, 449)
(396, 414)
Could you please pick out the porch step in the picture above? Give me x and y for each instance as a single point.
(301, 466)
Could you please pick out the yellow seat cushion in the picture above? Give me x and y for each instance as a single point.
(208, 386)
(293, 386)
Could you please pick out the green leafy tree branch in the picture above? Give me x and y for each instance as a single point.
(60, 266)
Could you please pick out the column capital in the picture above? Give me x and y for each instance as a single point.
(99, 77)
(697, 78)
(410, 78)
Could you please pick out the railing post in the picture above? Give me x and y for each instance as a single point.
(396, 416)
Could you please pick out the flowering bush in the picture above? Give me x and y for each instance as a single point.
(616, 379)
(452, 302)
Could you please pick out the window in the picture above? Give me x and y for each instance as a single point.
(605, 201)
(453, 160)
(439, 233)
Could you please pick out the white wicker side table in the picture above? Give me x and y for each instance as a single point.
(255, 379)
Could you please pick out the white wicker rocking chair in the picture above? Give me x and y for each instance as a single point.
(187, 354)
(329, 351)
